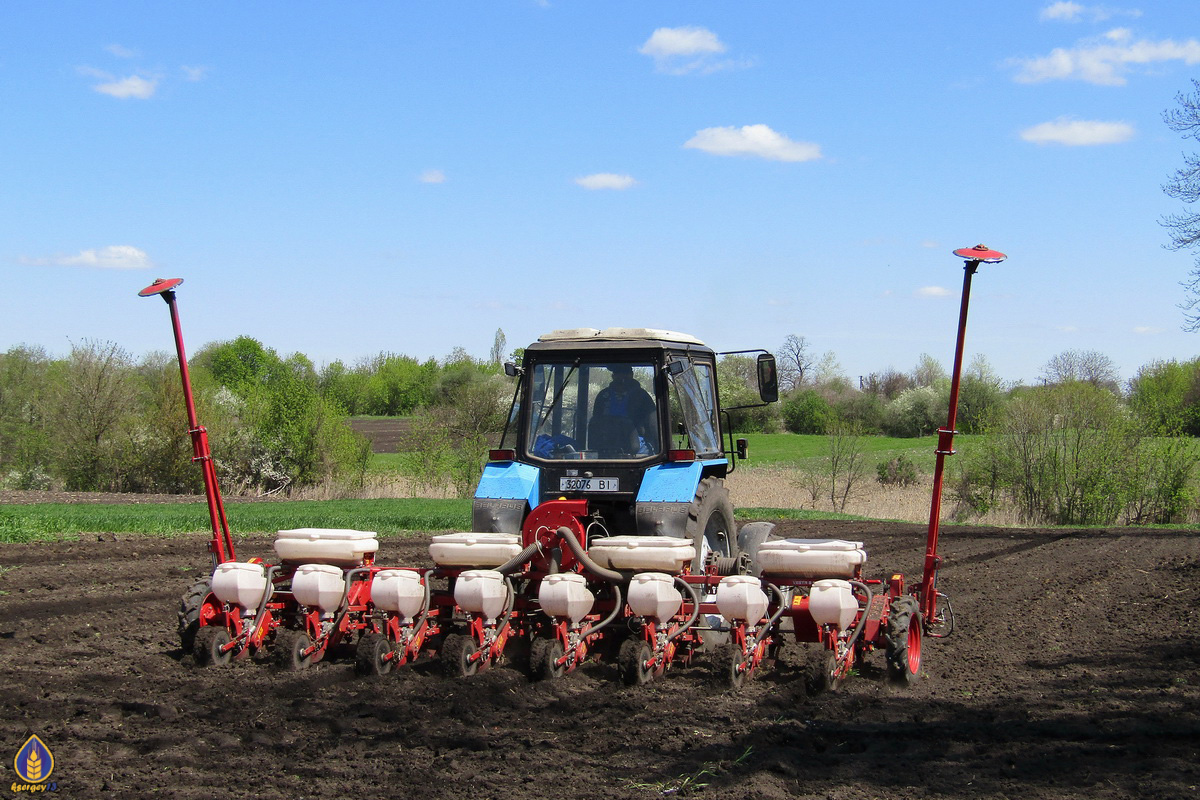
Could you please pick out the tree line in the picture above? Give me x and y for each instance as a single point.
(1077, 447)
(100, 420)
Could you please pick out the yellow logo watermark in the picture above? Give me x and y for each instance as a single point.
(34, 764)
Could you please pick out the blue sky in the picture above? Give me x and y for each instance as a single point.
(344, 179)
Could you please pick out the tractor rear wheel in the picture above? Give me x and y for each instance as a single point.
(631, 660)
(456, 653)
(544, 654)
(710, 521)
(370, 655)
(289, 650)
(189, 612)
(903, 639)
(206, 646)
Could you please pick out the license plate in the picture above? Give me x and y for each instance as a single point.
(589, 485)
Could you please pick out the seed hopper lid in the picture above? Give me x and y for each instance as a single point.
(159, 286)
(980, 252)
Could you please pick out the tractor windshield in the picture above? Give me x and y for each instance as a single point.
(593, 410)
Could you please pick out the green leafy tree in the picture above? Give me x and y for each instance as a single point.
(981, 396)
(242, 364)
(93, 412)
(806, 411)
(1166, 396)
(25, 445)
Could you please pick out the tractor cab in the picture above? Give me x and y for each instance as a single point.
(625, 418)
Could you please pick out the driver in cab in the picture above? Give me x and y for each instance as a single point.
(623, 418)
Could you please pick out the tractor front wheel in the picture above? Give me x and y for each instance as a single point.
(904, 641)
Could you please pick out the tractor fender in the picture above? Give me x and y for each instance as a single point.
(507, 491)
(665, 498)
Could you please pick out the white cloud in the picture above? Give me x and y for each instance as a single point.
(933, 291)
(1066, 328)
(679, 51)
(121, 52)
(606, 180)
(194, 74)
(752, 140)
(1078, 132)
(1147, 330)
(1068, 12)
(1105, 61)
(432, 176)
(123, 88)
(1074, 12)
(685, 41)
(116, 256)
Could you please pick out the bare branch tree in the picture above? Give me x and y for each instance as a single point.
(1085, 366)
(887, 384)
(1184, 227)
(794, 362)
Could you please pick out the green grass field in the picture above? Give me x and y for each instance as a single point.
(797, 450)
(23, 523)
(59, 521)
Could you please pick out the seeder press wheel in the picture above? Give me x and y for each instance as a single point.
(728, 658)
(631, 660)
(370, 655)
(544, 654)
(456, 653)
(289, 650)
(207, 643)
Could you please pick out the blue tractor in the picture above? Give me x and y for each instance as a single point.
(628, 420)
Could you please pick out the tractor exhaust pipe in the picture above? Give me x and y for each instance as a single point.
(222, 542)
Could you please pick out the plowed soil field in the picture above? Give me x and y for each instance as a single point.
(1074, 672)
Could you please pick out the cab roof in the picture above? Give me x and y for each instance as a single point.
(619, 335)
(593, 340)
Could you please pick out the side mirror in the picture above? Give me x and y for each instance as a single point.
(511, 369)
(677, 366)
(768, 378)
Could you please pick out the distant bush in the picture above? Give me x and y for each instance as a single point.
(806, 411)
(917, 412)
(1072, 455)
(899, 471)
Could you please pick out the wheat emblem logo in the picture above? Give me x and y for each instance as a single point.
(34, 761)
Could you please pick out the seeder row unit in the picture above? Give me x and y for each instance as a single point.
(552, 598)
